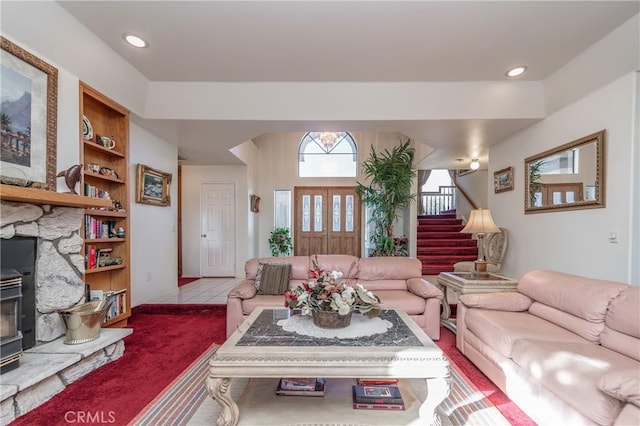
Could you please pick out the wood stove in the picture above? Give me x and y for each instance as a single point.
(10, 319)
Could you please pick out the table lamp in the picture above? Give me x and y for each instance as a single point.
(480, 223)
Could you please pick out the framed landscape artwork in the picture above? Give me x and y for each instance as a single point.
(28, 118)
(152, 186)
(503, 180)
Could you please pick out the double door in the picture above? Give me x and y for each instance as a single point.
(327, 221)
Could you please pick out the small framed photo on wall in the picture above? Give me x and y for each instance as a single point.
(152, 186)
(503, 180)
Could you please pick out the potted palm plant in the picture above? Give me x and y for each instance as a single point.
(391, 177)
(535, 173)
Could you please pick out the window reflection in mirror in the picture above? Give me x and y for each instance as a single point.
(570, 176)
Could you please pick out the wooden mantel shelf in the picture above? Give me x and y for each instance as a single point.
(39, 196)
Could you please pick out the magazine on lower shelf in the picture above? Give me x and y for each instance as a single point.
(305, 386)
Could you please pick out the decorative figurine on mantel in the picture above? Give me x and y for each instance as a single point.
(72, 177)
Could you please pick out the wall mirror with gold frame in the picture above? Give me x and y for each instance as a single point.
(568, 177)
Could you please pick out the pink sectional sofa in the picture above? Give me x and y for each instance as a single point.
(565, 348)
(397, 281)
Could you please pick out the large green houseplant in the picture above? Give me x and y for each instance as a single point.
(280, 242)
(391, 177)
(535, 174)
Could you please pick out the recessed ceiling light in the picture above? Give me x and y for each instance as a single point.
(515, 72)
(134, 40)
(475, 164)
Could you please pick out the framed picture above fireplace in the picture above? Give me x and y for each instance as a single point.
(29, 93)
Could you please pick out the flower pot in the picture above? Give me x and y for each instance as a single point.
(330, 319)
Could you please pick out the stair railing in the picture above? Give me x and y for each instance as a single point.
(433, 203)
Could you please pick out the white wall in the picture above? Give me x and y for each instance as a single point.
(192, 179)
(574, 241)
(248, 153)
(634, 234)
(153, 271)
(278, 170)
(153, 236)
(51, 33)
(475, 186)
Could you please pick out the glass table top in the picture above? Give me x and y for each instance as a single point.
(474, 277)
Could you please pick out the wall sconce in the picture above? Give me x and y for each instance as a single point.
(474, 164)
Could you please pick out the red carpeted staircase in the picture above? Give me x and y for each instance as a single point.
(440, 243)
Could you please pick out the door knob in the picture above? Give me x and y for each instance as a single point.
(203, 235)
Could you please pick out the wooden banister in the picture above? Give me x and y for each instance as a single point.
(464, 194)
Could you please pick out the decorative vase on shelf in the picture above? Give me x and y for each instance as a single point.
(331, 319)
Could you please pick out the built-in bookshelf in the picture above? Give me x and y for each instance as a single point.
(104, 142)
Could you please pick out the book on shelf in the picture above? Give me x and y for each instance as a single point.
(363, 405)
(93, 191)
(376, 381)
(100, 257)
(92, 252)
(301, 387)
(377, 394)
(373, 398)
(118, 306)
(97, 228)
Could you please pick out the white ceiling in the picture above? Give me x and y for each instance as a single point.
(350, 41)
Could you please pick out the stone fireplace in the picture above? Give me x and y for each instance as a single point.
(59, 262)
(50, 365)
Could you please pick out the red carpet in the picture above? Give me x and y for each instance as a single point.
(166, 339)
(186, 280)
(508, 409)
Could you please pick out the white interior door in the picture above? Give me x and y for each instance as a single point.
(217, 247)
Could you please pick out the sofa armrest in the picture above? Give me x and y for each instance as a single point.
(623, 385)
(510, 301)
(424, 288)
(244, 290)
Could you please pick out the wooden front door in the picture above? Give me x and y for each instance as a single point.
(327, 221)
(561, 193)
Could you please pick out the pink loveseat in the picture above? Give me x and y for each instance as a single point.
(565, 348)
(397, 281)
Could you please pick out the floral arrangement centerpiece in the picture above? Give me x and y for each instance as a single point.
(330, 300)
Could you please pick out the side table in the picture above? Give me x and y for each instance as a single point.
(467, 283)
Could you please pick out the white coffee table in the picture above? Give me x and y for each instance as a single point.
(259, 349)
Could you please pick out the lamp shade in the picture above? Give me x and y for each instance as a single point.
(480, 222)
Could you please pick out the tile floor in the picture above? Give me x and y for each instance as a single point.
(214, 290)
(204, 290)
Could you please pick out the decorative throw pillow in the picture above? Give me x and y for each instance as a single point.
(273, 278)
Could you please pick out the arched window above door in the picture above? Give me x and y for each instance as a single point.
(327, 154)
